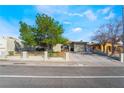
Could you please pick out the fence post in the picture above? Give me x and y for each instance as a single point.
(122, 57)
(67, 56)
(24, 55)
(45, 56)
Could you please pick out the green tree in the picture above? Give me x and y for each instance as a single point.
(46, 31)
(26, 34)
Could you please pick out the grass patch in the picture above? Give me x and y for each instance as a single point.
(1, 59)
(56, 54)
(11, 53)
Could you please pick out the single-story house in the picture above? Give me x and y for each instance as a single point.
(57, 48)
(76, 46)
(9, 44)
(107, 47)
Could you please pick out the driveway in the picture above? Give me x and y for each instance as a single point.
(94, 60)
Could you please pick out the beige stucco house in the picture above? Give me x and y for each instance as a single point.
(78, 46)
(8, 44)
(57, 48)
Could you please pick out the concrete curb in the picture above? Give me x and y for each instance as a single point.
(39, 64)
(53, 63)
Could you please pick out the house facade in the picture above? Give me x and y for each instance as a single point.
(107, 47)
(57, 48)
(78, 46)
(9, 44)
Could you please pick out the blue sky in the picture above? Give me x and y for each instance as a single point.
(79, 22)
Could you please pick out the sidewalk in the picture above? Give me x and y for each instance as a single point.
(38, 63)
(33, 58)
(56, 63)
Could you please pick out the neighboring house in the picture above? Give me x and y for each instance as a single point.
(8, 44)
(73, 46)
(107, 47)
(57, 48)
(78, 46)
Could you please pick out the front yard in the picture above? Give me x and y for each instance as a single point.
(56, 54)
(36, 56)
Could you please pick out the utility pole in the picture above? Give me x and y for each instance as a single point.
(122, 54)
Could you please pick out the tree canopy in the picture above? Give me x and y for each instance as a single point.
(26, 34)
(45, 31)
(110, 32)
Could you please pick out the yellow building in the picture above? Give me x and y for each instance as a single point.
(107, 48)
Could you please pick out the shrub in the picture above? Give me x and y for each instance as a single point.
(56, 54)
(11, 53)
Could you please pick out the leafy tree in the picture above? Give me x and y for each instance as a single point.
(114, 33)
(111, 32)
(26, 34)
(46, 31)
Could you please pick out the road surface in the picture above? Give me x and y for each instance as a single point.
(61, 77)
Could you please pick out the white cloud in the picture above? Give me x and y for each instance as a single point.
(74, 14)
(45, 9)
(110, 16)
(67, 22)
(64, 10)
(56, 9)
(51, 9)
(105, 10)
(77, 29)
(8, 29)
(90, 15)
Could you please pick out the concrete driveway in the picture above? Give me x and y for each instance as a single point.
(93, 60)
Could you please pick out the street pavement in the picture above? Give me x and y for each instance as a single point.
(81, 71)
(61, 77)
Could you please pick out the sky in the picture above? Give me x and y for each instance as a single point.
(79, 21)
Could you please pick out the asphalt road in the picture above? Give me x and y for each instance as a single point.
(61, 77)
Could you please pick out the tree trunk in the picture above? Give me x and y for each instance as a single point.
(47, 47)
(113, 49)
(51, 48)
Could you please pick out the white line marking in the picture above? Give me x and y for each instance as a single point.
(22, 76)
